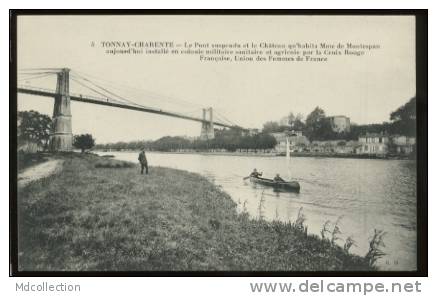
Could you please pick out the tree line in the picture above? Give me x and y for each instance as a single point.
(229, 140)
(35, 128)
(316, 126)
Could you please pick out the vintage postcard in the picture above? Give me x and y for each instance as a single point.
(283, 143)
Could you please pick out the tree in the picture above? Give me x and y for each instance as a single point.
(271, 127)
(291, 122)
(315, 116)
(266, 141)
(299, 117)
(168, 143)
(34, 127)
(288, 120)
(404, 119)
(285, 120)
(291, 118)
(315, 123)
(298, 123)
(228, 139)
(83, 142)
(405, 112)
(377, 128)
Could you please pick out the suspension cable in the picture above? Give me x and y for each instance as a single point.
(96, 91)
(143, 91)
(104, 89)
(34, 77)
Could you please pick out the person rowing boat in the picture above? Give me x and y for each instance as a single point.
(277, 183)
(254, 173)
(277, 178)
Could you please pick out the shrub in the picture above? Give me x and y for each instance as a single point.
(375, 248)
(298, 223)
(114, 164)
(336, 231)
(325, 230)
(348, 244)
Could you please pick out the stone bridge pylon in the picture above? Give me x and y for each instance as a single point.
(207, 131)
(61, 138)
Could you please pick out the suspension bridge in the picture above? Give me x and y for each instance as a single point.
(61, 137)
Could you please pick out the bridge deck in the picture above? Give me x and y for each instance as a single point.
(112, 103)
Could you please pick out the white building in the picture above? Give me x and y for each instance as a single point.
(296, 139)
(373, 144)
(403, 144)
(334, 146)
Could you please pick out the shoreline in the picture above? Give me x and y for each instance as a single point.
(113, 218)
(263, 154)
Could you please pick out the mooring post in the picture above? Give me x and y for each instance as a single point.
(61, 138)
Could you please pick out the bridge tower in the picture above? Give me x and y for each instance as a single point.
(61, 138)
(207, 131)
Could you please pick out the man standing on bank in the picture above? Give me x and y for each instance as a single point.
(143, 161)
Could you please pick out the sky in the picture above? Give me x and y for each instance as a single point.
(366, 89)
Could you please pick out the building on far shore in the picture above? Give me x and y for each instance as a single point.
(340, 123)
(403, 144)
(373, 144)
(281, 142)
(369, 144)
(333, 147)
(297, 141)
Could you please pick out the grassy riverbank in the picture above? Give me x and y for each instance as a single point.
(100, 214)
(26, 160)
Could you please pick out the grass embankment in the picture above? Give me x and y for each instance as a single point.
(26, 160)
(97, 215)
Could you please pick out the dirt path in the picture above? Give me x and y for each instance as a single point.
(39, 171)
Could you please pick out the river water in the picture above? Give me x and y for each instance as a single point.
(366, 194)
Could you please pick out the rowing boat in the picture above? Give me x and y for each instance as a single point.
(289, 186)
